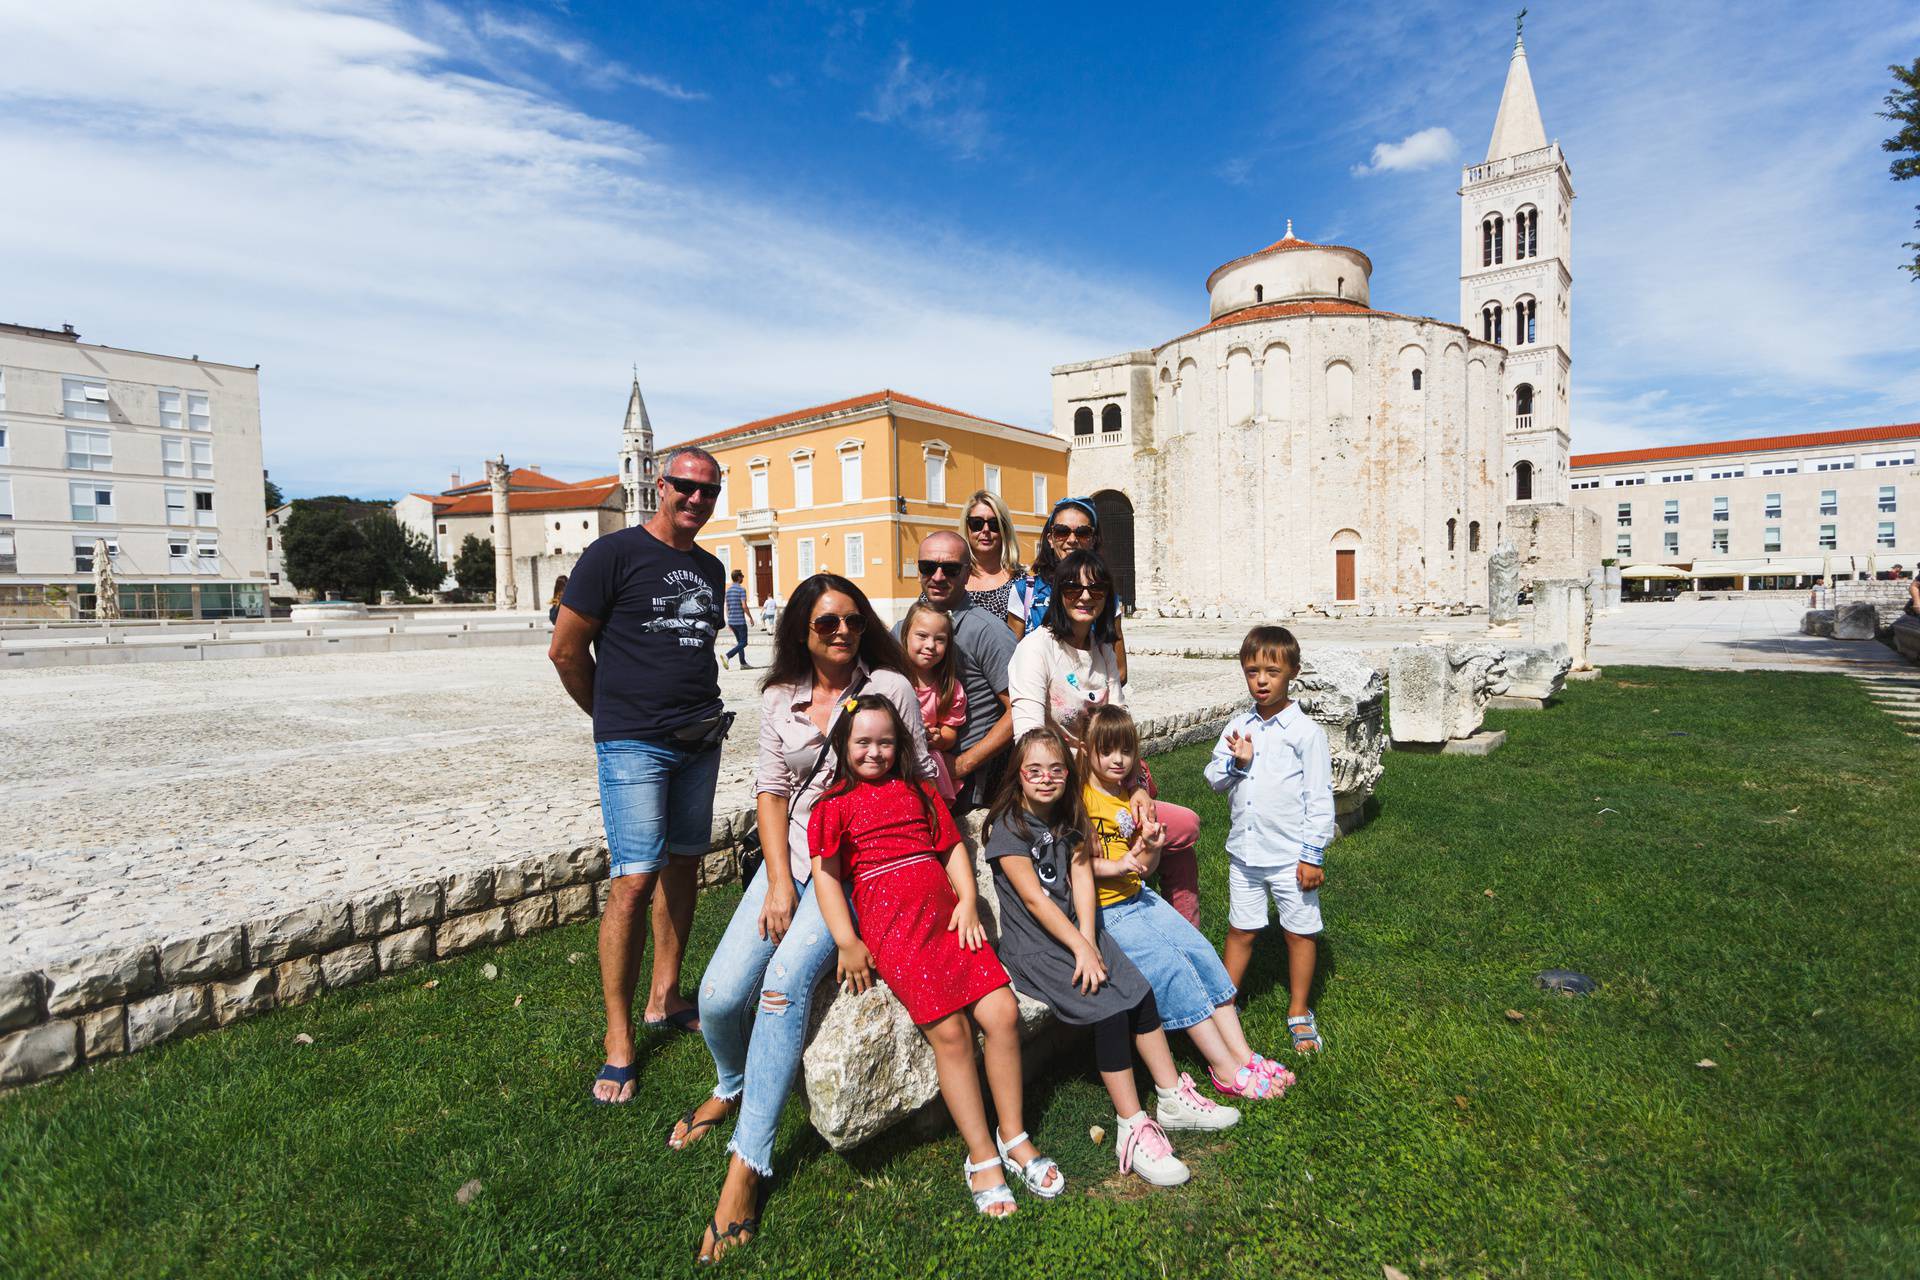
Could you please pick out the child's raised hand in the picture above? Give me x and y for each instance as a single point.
(1089, 970)
(966, 921)
(1241, 744)
(1309, 876)
(856, 967)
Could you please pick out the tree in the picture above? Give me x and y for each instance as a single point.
(1903, 108)
(274, 497)
(473, 567)
(356, 549)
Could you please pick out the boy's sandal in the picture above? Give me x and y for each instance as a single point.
(1306, 1034)
(1248, 1082)
(1034, 1172)
(986, 1199)
(621, 1077)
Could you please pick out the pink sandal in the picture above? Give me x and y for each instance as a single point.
(1248, 1082)
(1278, 1071)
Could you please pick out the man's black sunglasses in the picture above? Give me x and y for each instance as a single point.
(687, 488)
(951, 568)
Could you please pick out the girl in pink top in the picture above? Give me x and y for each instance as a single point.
(935, 672)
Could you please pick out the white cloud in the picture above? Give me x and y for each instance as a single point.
(942, 105)
(433, 267)
(1422, 150)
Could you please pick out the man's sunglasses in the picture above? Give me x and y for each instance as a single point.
(1077, 532)
(687, 488)
(951, 568)
(976, 523)
(827, 624)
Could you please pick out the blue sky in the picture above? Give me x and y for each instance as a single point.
(446, 231)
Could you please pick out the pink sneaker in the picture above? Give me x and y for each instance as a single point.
(1248, 1082)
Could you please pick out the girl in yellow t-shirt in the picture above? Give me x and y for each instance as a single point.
(1189, 983)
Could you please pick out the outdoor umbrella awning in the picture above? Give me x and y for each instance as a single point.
(1653, 571)
(1779, 566)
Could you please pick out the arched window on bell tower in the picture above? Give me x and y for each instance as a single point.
(1083, 421)
(1523, 406)
(1492, 240)
(1523, 482)
(1523, 321)
(1490, 323)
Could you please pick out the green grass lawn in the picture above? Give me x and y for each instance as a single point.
(1732, 856)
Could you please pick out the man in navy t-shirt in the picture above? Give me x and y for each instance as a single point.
(633, 644)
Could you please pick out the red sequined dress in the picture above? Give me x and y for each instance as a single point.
(903, 896)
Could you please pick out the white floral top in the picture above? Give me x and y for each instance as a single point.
(1050, 676)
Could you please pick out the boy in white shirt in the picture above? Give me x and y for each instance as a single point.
(1277, 769)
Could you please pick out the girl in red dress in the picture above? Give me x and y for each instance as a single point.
(887, 834)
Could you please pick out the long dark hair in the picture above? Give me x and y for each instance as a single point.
(843, 779)
(1045, 562)
(1069, 811)
(793, 663)
(1081, 564)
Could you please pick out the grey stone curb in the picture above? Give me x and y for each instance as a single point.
(104, 1004)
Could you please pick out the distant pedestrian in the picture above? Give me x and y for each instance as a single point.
(737, 620)
(553, 605)
(769, 612)
(634, 648)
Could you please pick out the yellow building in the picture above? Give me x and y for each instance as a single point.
(851, 487)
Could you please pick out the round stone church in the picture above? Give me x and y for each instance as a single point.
(1302, 450)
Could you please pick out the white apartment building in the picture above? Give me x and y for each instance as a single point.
(157, 455)
(1766, 513)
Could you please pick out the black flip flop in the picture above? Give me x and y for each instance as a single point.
(695, 1126)
(677, 1022)
(750, 1227)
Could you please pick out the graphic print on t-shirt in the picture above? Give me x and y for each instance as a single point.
(688, 609)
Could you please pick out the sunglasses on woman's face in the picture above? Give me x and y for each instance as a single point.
(1085, 591)
(826, 624)
(687, 488)
(976, 523)
(1077, 532)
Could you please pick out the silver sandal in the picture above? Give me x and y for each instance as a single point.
(1034, 1172)
(985, 1200)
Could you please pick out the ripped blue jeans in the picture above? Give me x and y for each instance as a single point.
(747, 976)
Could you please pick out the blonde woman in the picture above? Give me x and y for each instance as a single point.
(994, 549)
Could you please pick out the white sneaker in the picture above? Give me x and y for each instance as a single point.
(1144, 1150)
(1189, 1109)
(724, 664)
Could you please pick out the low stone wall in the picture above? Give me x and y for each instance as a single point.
(105, 1003)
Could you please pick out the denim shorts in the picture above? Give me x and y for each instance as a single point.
(1187, 978)
(656, 799)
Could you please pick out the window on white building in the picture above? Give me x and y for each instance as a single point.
(1727, 473)
(199, 412)
(91, 503)
(206, 556)
(203, 508)
(1039, 493)
(89, 451)
(1833, 464)
(1720, 542)
(758, 483)
(1584, 484)
(6, 498)
(3, 444)
(83, 399)
(1672, 513)
(850, 487)
(803, 556)
(1884, 536)
(1780, 469)
(173, 457)
(177, 556)
(202, 459)
(1623, 544)
(856, 555)
(170, 410)
(1829, 537)
(1720, 513)
(9, 561)
(1672, 542)
(177, 507)
(1829, 502)
(1773, 506)
(992, 481)
(1889, 503)
(1879, 460)
(1771, 541)
(1624, 482)
(1623, 515)
(83, 553)
(803, 482)
(1676, 477)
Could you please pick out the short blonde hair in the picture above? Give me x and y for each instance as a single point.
(1009, 538)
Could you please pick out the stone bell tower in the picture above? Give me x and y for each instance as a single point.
(1516, 281)
(636, 459)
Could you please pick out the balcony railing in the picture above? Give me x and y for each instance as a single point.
(1104, 437)
(757, 520)
(1525, 162)
(1523, 422)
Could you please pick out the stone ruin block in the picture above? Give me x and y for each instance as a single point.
(1816, 622)
(1346, 697)
(1563, 614)
(1537, 671)
(1857, 620)
(1440, 692)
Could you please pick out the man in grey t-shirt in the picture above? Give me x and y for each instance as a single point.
(986, 647)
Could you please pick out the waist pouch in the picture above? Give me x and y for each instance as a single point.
(704, 735)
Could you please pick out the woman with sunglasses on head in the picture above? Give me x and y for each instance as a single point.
(1072, 526)
(829, 647)
(1068, 665)
(994, 546)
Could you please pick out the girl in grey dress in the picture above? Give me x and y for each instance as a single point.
(1038, 841)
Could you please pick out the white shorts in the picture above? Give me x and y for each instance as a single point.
(1248, 889)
